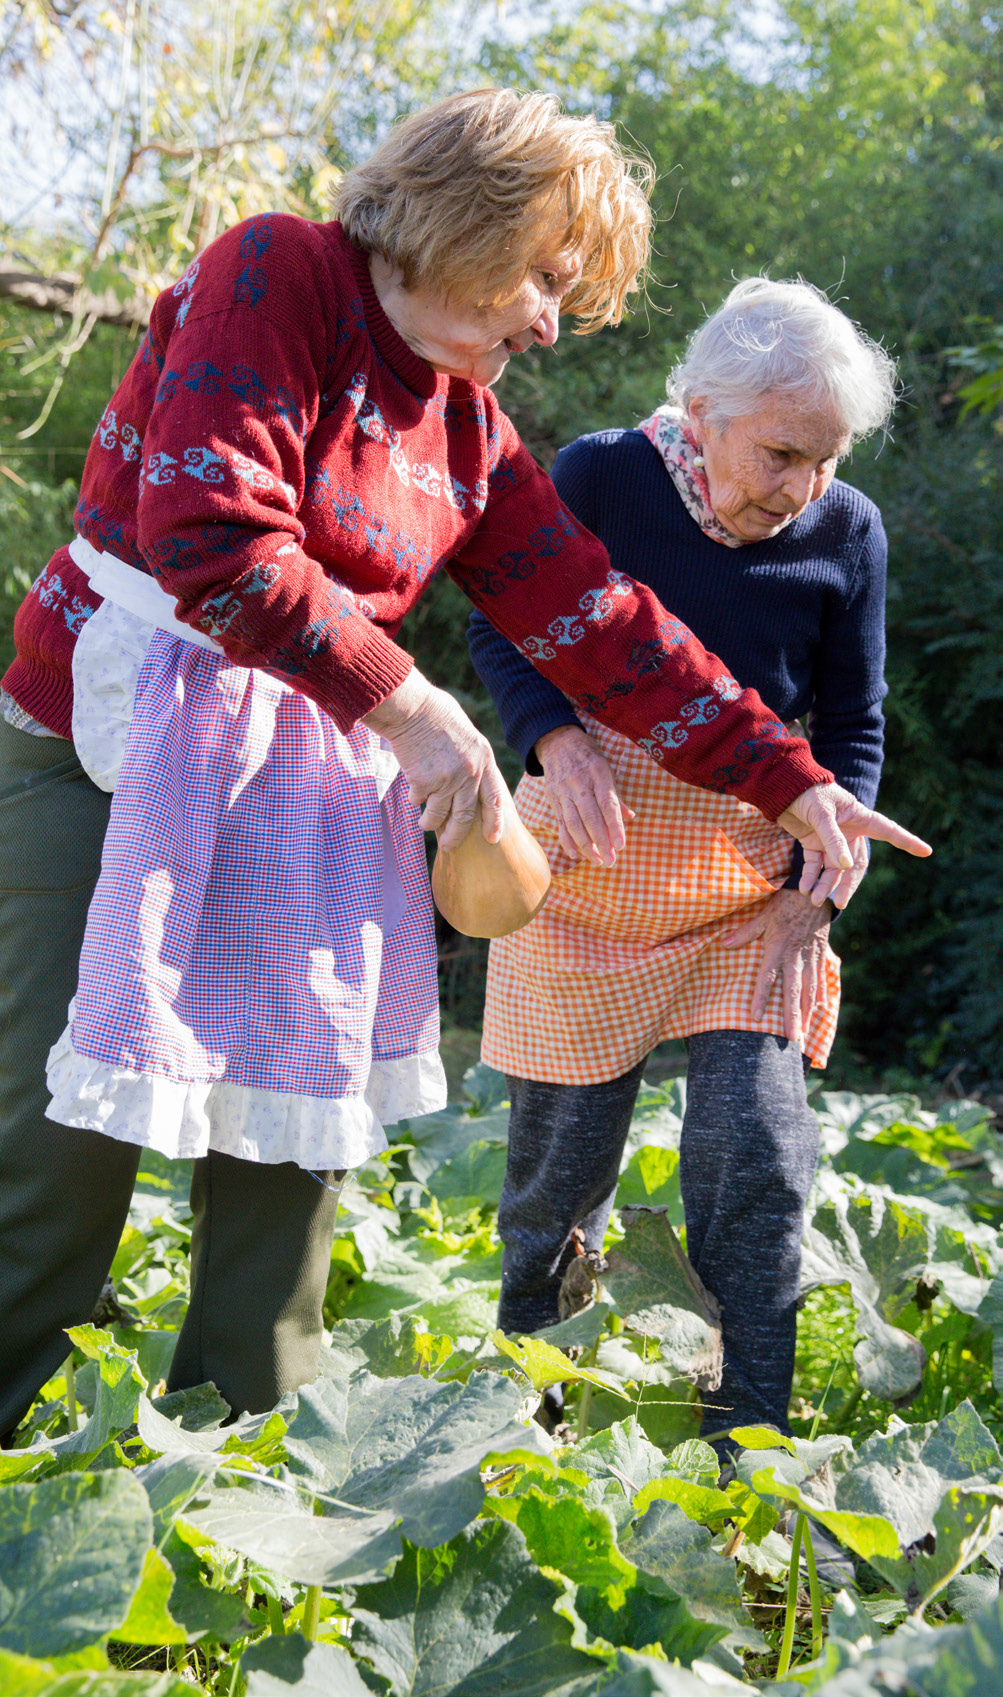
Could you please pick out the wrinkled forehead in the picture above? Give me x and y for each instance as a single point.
(796, 424)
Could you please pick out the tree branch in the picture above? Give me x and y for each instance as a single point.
(65, 295)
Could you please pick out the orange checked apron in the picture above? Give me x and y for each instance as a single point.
(622, 958)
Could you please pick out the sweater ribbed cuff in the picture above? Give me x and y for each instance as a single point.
(775, 783)
(368, 674)
(44, 693)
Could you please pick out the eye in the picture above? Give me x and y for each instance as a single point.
(549, 279)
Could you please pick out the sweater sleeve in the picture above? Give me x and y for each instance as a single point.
(224, 472)
(528, 704)
(846, 723)
(546, 583)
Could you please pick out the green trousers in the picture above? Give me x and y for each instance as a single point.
(261, 1242)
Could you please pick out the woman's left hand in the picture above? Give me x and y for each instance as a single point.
(794, 933)
(828, 821)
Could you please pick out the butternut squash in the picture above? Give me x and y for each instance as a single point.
(492, 889)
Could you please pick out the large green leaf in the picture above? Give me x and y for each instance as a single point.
(658, 1293)
(474, 1619)
(119, 1385)
(172, 1483)
(611, 1599)
(275, 1530)
(632, 1675)
(457, 1294)
(618, 1463)
(669, 1547)
(878, 1247)
(940, 1486)
(22, 1676)
(949, 1661)
(410, 1446)
(149, 1620)
(394, 1348)
(276, 1665)
(919, 1502)
(72, 1550)
(476, 1174)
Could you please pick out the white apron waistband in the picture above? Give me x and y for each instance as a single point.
(114, 580)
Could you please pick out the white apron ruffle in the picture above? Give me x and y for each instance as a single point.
(185, 1121)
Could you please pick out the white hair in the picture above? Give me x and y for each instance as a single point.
(786, 338)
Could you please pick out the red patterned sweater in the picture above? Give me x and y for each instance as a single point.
(294, 475)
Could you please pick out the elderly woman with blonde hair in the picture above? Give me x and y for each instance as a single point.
(725, 503)
(305, 437)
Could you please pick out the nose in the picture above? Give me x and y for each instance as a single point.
(546, 327)
(799, 485)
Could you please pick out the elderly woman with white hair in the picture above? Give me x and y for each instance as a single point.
(725, 503)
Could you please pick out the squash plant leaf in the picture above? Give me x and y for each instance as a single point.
(544, 1365)
(611, 1600)
(279, 1533)
(409, 1446)
(22, 1676)
(632, 1675)
(659, 1294)
(72, 1551)
(149, 1619)
(878, 1247)
(675, 1553)
(272, 1666)
(473, 1619)
(395, 1348)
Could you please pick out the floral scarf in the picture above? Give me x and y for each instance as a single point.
(667, 431)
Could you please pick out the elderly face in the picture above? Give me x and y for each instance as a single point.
(764, 470)
(472, 341)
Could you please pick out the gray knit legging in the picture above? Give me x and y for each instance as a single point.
(747, 1159)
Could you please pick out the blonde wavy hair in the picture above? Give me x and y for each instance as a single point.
(468, 195)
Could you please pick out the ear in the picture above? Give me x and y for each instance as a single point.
(697, 411)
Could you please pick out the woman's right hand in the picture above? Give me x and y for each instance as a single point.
(581, 790)
(449, 765)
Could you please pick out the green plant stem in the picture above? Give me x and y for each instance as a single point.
(585, 1404)
(72, 1412)
(583, 1409)
(311, 1611)
(849, 1408)
(787, 1642)
(276, 1619)
(816, 1598)
(816, 1423)
(234, 1678)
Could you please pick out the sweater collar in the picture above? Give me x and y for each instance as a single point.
(668, 432)
(409, 366)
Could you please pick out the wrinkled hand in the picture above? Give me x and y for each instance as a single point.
(794, 932)
(448, 764)
(581, 789)
(827, 820)
(845, 884)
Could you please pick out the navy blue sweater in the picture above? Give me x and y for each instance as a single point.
(799, 617)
